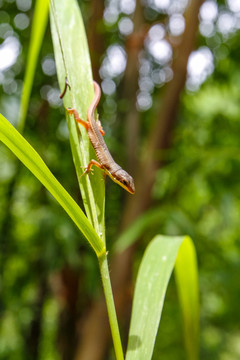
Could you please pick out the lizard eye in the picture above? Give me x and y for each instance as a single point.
(124, 182)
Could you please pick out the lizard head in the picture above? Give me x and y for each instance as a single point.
(122, 178)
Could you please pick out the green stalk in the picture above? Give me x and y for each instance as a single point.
(103, 265)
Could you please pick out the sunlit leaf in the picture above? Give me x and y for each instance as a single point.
(73, 61)
(186, 275)
(30, 158)
(152, 280)
(40, 18)
(137, 228)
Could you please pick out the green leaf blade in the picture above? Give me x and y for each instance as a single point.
(30, 158)
(152, 280)
(73, 61)
(133, 232)
(186, 276)
(40, 18)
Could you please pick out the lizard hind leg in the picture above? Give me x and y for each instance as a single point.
(74, 112)
(100, 126)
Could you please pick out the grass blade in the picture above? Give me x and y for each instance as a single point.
(186, 275)
(30, 158)
(38, 29)
(73, 61)
(152, 280)
(133, 232)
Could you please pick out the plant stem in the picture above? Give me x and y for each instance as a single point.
(103, 264)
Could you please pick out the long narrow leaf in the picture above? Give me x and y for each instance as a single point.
(152, 280)
(187, 284)
(30, 158)
(73, 61)
(137, 228)
(38, 29)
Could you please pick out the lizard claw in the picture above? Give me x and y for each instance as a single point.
(87, 170)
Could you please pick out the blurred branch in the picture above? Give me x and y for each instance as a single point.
(130, 86)
(95, 36)
(35, 328)
(160, 137)
(65, 286)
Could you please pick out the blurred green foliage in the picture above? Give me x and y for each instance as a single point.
(197, 191)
